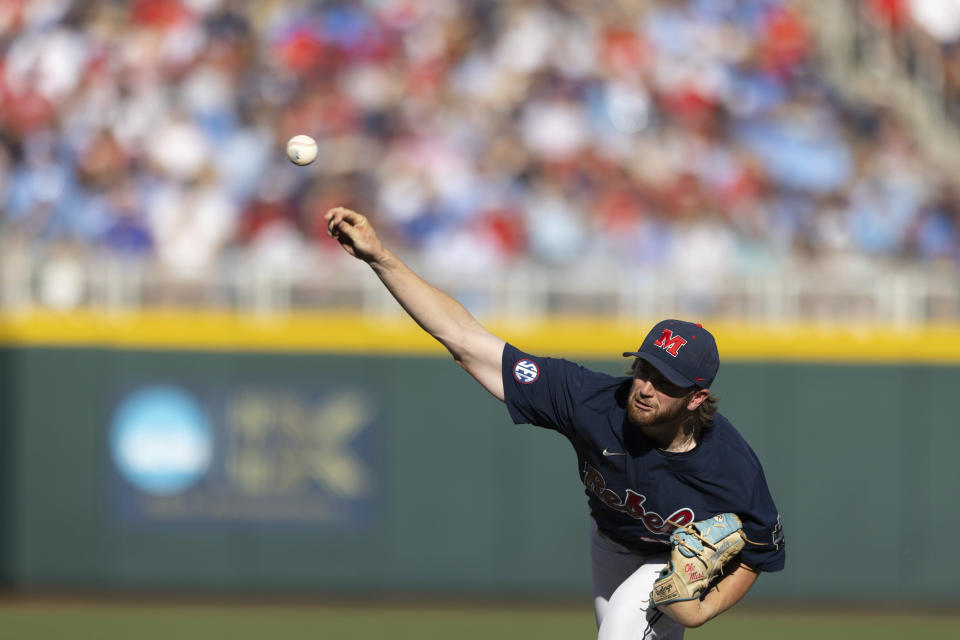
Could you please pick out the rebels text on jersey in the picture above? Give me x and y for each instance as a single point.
(632, 487)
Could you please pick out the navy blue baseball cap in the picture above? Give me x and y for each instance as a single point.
(685, 353)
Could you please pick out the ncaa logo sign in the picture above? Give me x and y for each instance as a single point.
(526, 371)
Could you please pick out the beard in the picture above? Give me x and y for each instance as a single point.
(651, 420)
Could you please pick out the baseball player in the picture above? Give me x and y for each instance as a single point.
(653, 454)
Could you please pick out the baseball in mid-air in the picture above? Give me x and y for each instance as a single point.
(302, 150)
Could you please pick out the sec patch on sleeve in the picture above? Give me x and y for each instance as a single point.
(526, 371)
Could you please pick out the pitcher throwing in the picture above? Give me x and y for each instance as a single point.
(682, 520)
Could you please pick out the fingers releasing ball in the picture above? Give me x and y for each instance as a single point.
(302, 150)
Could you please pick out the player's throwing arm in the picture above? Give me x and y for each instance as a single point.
(472, 347)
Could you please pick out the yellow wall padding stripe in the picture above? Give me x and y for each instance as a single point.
(562, 337)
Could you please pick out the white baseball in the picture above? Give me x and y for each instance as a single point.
(302, 149)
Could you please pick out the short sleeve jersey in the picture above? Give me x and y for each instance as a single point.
(632, 487)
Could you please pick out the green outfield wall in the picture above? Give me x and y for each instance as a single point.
(274, 471)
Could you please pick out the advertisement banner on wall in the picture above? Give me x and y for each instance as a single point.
(244, 455)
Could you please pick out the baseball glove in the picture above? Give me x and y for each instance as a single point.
(699, 552)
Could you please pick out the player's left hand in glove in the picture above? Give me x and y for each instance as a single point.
(699, 552)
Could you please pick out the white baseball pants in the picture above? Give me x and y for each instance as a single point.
(622, 581)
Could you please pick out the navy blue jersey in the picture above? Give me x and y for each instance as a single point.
(632, 487)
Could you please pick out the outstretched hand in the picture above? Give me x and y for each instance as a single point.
(354, 233)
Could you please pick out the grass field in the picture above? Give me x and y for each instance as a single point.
(104, 621)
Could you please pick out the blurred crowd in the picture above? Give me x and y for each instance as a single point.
(692, 135)
(922, 30)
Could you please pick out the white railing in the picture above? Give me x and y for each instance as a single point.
(845, 291)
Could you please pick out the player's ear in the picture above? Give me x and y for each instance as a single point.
(695, 399)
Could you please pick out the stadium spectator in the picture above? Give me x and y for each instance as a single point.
(690, 134)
